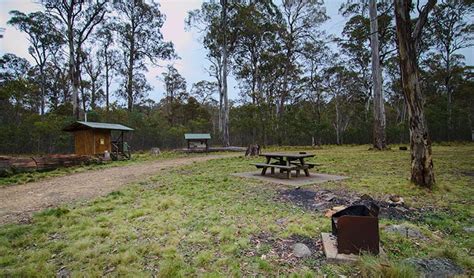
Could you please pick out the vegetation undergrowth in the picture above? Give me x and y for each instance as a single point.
(200, 220)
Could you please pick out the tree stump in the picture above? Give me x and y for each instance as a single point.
(155, 151)
(252, 150)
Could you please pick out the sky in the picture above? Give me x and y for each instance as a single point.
(192, 63)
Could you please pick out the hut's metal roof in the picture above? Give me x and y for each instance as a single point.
(197, 136)
(79, 125)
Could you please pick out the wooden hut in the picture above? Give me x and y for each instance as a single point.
(197, 141)
(92, 138)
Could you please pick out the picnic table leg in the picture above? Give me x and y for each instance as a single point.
(264, 169)
(297, 172)
(282, 162)
(288, 173)
(272, 169)
(306, 170)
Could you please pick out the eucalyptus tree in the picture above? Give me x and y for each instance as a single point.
(215, 22)
(18, 92)
(44, 41)
(370, 42)
(316, 54)
(339, 84)
(380, 141)
(138, 25)
(93, 68)
(140, 40)
(76, 20)
(451, 30)
(301, 20)
(408, 34)
(257, 25)
(109, 56)
(175, 88)
(203, 91)
(225, 73)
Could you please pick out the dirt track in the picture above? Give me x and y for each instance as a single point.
(19, 202)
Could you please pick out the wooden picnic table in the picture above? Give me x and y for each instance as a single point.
(286, 162)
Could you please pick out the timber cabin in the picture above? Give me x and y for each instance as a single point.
(92, 138)
(197, 141)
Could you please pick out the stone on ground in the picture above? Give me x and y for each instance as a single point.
(406, 231)
(469, 229)
(300, 250)
(435, 267)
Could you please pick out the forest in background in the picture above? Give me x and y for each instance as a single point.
(297, 85)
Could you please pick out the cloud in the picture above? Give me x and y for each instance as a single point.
(14, 41)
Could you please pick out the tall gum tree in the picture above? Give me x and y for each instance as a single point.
(422, 172)
(76, 20)
(43, 43)
(301, 21)
(215, 22)
(369, 43)
(380, 141)
(452, 31)
(139, 36)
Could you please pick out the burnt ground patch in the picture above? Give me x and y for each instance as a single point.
(268, 247)
(325, 199)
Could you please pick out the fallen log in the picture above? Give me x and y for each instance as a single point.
(10, 165)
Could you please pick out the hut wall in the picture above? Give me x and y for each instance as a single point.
(90, 141)
(102, 141)
(84, 142)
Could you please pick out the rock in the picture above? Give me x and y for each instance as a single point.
(329, 197)
(395, 200)
(281, 221)
(155, 151)
(435, 267)
(403, 148)
(300, 250)
(63, 273)
(468, 229)
(404, 230)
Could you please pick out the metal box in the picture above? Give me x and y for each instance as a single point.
(357, 229)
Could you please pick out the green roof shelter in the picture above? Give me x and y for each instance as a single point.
(197, 141)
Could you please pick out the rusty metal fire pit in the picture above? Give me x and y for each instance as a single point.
(357, 229)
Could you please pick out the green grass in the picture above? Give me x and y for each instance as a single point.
(26, 177)
(198, 220)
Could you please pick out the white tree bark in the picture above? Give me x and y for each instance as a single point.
(379, 109)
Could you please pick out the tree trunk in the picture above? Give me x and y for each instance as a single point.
(449, 94)
(421, 159)
(380, 141)
(225, 114)
(130, 81)
(72, 74)
(43, 91)
(337, 124)
(107, 82)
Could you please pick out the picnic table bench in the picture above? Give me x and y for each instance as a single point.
(286, 162)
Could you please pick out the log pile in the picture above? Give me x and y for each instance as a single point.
(10, 165)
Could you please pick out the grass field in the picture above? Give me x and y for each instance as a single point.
(199, 220)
